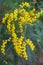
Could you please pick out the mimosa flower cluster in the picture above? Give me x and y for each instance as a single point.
(15, 22)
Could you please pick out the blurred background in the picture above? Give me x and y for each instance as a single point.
(7, 6)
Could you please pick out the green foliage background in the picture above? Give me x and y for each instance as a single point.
(34, 32)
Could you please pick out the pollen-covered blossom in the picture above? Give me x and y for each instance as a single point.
(5, 17)
(30, 43)
(4, 43)
(16, 20)
(15, 14)
(25, 4)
